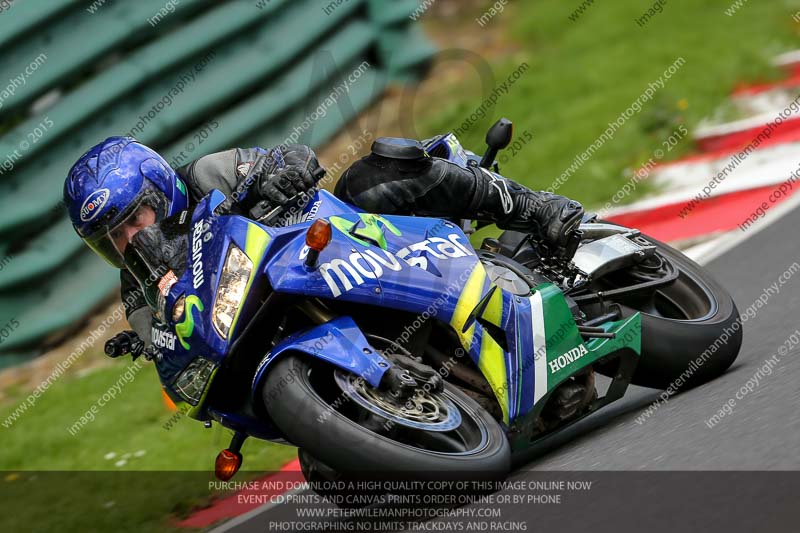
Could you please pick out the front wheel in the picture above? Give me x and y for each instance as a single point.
(354, 428)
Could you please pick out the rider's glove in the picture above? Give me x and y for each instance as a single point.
(129, 342)
(278, 188)
(560, 217)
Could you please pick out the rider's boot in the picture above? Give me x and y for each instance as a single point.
(399, 177)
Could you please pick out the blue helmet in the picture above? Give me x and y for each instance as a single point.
(110, 182)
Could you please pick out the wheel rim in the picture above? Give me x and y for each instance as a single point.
(687, 300)
(440, 435)
(424, 410)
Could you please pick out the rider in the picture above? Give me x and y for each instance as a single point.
(120, 186)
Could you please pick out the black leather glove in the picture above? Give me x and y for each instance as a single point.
(129, 342)
(278, 188)
(154, 251)
(555, 218)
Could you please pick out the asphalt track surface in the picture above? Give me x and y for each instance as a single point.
(762, 433)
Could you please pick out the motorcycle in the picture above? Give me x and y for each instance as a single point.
(390, 344)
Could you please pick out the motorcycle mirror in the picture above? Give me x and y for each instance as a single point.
(498, 137)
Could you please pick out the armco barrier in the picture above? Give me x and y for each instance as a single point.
(256, 68)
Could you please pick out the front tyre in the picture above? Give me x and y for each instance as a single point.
(448, 437)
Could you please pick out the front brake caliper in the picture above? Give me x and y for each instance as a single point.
(418, 372)
(399, 383)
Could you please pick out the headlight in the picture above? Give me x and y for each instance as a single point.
(178, 308)
(192, 382)
(232, 284)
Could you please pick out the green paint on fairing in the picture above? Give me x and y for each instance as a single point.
(567, 353)
(628, 335)
(186, 328)
(562, 336)
(371, 231)
(560, 331)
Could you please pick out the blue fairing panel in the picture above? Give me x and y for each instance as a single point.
(338, 342)
(416, 260)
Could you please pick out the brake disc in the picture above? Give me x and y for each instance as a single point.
(423, 410)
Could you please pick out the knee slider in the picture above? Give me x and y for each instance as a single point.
(405, 155)
(398, 148)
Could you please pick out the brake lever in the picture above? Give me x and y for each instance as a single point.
(567, 252)
(264, 213)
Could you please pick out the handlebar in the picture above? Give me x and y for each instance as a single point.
(318, 174)
(127, 342)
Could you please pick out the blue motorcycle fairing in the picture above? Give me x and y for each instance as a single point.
(199, 284)
(421, 259)
(423, 266)
(339, 342)
(448, 147)
(325, 204)
(287, 272)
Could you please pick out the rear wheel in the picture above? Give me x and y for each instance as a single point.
(690, 329)
(354, 428)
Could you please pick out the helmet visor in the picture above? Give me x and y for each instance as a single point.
(111, 236)
(110, 242)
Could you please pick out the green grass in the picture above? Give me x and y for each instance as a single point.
(126, 500)
(583, 74)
